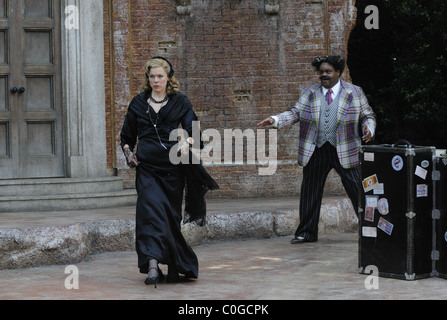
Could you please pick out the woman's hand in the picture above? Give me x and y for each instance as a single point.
(131, 159)
(183, 149)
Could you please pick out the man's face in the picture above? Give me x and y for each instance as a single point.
(328, 75)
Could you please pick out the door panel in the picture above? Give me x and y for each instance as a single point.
(38, 47)
(4, 140)
(40, 138)
(38, 9)
(3, 7)
(30, 89)
(39, 93)
(4, 94)
(3, 46)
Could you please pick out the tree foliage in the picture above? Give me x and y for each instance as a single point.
(402, 66)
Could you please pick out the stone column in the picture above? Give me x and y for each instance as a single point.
(83, 88)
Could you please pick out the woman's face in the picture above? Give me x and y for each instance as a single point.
(158, 79)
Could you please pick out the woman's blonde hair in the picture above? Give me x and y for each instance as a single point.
(173, 85)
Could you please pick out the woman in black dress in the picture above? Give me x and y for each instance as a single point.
(160, 183)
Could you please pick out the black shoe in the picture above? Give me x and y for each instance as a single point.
(154, 280)
(151, 280)
(299, 239)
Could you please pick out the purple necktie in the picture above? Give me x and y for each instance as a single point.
(329, 96)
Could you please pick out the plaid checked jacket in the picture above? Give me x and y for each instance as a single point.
(353, 109)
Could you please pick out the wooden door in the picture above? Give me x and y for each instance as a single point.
(30, 89)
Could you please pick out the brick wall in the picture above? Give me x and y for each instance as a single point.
(238, 61)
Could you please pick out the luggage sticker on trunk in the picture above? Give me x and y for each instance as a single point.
(385, 226)
(397, 163)
(383, 206)
(370, 183)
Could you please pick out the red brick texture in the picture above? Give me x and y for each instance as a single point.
(236, 61)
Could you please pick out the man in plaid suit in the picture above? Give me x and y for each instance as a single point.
(331, 115)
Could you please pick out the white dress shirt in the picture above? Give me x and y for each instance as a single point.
(335, 90)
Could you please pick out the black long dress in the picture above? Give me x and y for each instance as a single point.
(160, 184)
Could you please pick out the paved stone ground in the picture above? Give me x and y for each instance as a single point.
(231, 268)
(266, 269)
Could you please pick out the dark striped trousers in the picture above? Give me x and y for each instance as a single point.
(314, 177)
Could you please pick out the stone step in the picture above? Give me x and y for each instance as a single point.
(67, 201)
(59, 186)
(30, 239)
